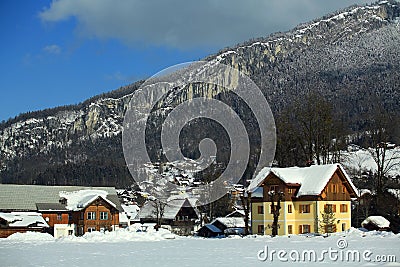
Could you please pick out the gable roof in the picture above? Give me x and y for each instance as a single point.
(78, 200)
(170, 211)
(312, 179)
(213, 228)
(230, 222)
(131, 211)
(378, 221)
(24, 197)
(236, 213)
(24, 219)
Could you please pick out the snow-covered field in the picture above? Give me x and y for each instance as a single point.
(123, 248)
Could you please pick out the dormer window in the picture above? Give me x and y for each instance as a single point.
(63, 201)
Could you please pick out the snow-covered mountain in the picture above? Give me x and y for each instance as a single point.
(347, 56)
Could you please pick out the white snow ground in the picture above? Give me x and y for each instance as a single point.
(123, 248)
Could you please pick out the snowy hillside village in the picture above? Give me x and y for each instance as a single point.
(318, 199)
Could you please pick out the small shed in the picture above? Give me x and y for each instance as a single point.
(209, 230)
(226, 223)
(377, 223)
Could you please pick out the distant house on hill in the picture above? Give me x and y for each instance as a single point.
(179, 214)
(306, 194)
(68, 210)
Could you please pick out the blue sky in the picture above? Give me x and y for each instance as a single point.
(63, 52)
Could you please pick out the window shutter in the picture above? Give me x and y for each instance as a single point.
(334, 208)
(300, 229)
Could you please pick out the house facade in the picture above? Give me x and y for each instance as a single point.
(97, 215)
(58, 218)
(307, 197)
(66, 210)
(180, 215)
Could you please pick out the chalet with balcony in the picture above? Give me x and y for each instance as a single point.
(306, 194)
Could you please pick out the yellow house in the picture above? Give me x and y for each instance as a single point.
(307, 194)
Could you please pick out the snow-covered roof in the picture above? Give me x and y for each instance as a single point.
(364, 191)
(241, 212)
(231, 222)
(123, 218)
(78, 200)
(171, 209)
(131, 211)
(395, 192)
(24, 219)
(24, 197)
(379, 221)
(312, 179)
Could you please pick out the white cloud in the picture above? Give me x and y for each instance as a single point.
(187, 23)
(52, 49)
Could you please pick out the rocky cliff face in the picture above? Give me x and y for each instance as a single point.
(100, 119)
(348, 56)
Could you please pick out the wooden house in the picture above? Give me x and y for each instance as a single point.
(92, 210)
(179, 214)
(68, 210)
(306, 194)
(58, 217)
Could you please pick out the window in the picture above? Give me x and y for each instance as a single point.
(303, 229)
(290, 229)
(343, 227)
(70, 232)
(91, 229)
(260, 229)
(182, 218)
(304, 208)
(274, 188)
(103, 215)
(334, 188)
(59, 216)
(91, 215)
(330, 208)
(343, 189)
(289, 208)
(260, 209)
(290, 191)
(343, 208)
